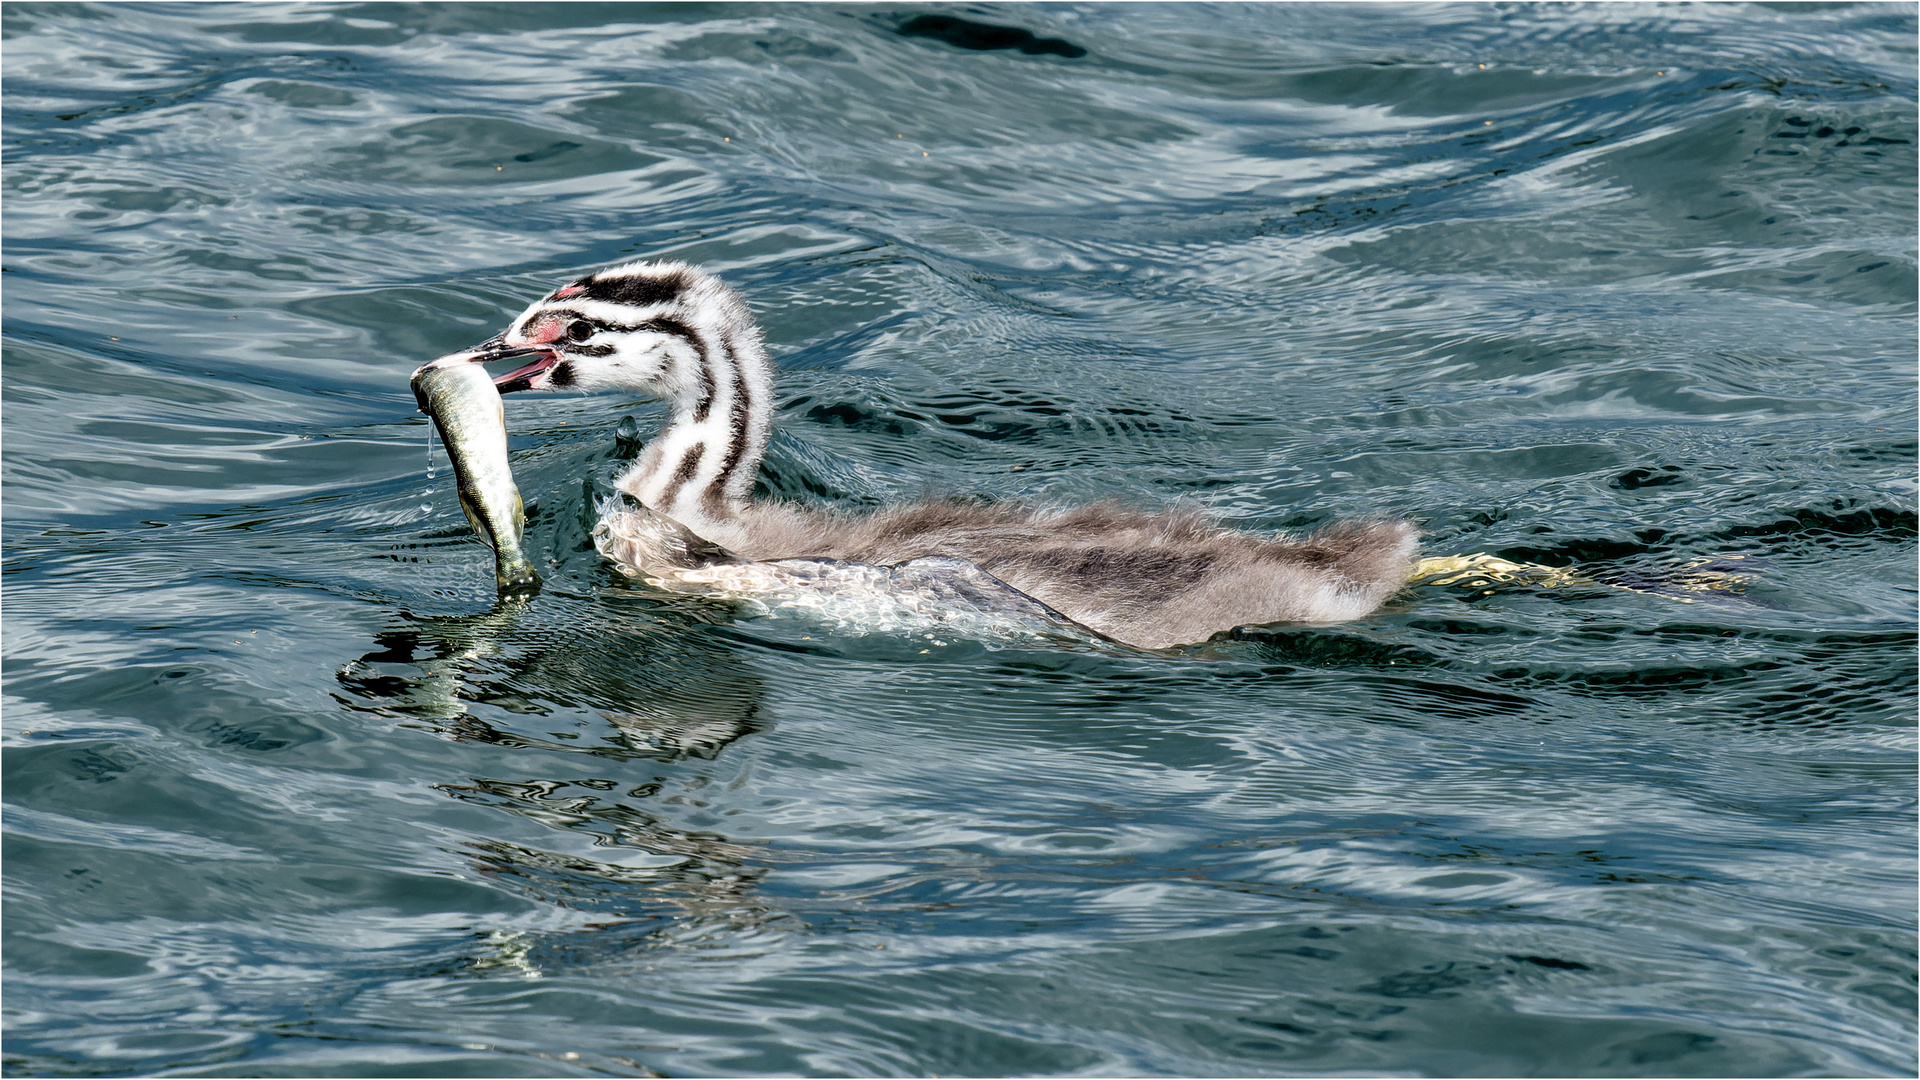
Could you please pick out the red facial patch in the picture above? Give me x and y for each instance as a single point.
(545, 331)
(570, 290)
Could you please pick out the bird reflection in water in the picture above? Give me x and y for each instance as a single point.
(669, 693)
(665, 691)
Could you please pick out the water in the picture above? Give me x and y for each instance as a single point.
(1618, 288)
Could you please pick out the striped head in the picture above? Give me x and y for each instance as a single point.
(654, 328)
(668, 331)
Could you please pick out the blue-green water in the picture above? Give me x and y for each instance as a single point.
(1619, 288)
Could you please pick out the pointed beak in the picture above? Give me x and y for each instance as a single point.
(542, 357)
(521, 378)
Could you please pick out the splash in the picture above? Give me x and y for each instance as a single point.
(935, 599)
(428, 505)
(1721, 575)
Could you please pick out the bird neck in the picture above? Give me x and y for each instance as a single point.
(699, 470)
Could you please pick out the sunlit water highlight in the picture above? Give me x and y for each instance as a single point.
(1626, 292)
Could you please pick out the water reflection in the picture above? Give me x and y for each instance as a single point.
(667, 695)
(655, 689)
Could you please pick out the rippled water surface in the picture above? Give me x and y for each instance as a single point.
(1625, 290)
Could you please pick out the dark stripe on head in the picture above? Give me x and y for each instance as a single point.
(639, 290)
(667, 324)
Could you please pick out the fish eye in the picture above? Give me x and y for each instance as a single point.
(579, 330)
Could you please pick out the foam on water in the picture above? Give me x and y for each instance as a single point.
(928, 598)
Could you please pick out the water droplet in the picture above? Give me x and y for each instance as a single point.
(628, 429)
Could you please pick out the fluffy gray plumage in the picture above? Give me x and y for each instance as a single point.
(1150, 580)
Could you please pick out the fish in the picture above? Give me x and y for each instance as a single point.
(460, 397)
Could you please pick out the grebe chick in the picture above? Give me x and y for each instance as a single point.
(667, 330)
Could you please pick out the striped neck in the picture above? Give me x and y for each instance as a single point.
(700, 469)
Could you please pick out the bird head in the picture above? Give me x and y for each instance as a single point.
(642, 327)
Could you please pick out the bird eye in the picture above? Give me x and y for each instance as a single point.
(579, 330)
